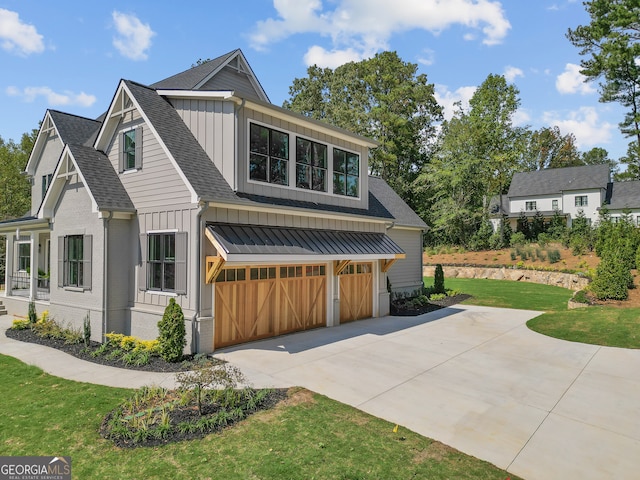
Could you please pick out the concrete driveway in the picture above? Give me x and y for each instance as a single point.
(477, 379)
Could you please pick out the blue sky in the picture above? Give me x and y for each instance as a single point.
(69, 55)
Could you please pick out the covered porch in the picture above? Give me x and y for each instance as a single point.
(27, 258)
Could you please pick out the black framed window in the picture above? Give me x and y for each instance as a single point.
(346, 173)
(530, 206)
(75, 256)
(311, 165)
(46, 181)
(162, 262)
(268, 155)
(24, 256)
(582, 201)
(74, 261)
(131, 149)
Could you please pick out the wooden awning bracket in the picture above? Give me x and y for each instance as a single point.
(213, 267)
(386, 264)
(340, 265)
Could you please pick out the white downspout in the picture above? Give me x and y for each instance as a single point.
(199, 258)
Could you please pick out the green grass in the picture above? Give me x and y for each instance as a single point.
(311, 437)
(610, 326)
(509, 294)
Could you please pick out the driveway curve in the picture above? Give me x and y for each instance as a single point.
(475, 378)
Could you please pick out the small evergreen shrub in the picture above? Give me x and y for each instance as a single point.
(517, 239)
(581, 297)
(612, 279)
(86, 330)
(19, 324)
(438, 280)
(554, 256)
(513, 255)
(172, 333)
(32, 315)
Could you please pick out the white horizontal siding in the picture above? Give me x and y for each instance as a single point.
(406, 273)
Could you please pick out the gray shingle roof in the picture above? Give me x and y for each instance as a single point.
(188, 79)
(261, 240)
(557, 180)
(399, 210)
(625, 195)
(75, 129)
(101, 178)
(197, 167)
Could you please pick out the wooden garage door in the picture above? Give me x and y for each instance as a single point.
(260, 302)
(356, 292)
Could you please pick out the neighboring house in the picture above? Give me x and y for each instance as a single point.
(565, 190)
(257, 220)
(625, 199)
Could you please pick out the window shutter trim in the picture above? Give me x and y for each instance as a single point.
(121, 154)
(87, 248)
(138, 160)
(142, 271)
(61, 263)
(181, 263)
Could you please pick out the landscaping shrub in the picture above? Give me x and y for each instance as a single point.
(544, 239)
(172, 333)
(32, 315)
(612, 279)
(554, 256)
(581, 297)
(438, 280)
(517, 239)
(86, 330)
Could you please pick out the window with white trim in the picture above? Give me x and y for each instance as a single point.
(24, 256)
(268, 155)
(46, 181)
(74, 261)
(346, 173)
(164, 262)
(582, 201)
(311, 165)
(554, 204)
(131, 149)
(530, 206)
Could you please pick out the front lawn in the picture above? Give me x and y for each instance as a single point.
(509, 294)
(306, 436)
(609, 326)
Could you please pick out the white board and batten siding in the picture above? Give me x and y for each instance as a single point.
(157, 183)
(46, 165)
(212, 122)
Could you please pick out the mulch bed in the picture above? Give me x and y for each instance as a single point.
(432, 306)
(156, 364)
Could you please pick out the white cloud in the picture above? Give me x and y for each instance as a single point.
(572, 81)
(428, 57)
(134, 37)
(54, 99)
(585, 125)
(18, 37)
(521, 117)
(448, 99)
(365, 26)
(511, 73)
(317, 55)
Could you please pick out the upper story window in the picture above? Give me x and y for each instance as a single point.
(346, 173)
(131, 150)
(554, 204)
(311, 165)
(46, 181)
(268, 155)
(581, 201)
(530, 206)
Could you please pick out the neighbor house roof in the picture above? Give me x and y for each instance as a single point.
(101, 179)
(558, 180)
(625, 195)
(75, 129)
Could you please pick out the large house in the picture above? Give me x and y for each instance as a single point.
(256, 220)
(567, 192)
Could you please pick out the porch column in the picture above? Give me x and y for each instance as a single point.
(33, 263)
(8, 264)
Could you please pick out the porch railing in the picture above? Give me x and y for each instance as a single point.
(21, 286)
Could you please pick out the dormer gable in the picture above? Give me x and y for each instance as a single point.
(48, 132)
(227, 72)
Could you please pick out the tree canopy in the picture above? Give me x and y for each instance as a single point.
(382, 98)
(610, 45)
(15, 190)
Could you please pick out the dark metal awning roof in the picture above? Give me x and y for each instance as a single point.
(260, 243)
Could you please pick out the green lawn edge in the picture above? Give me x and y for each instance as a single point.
(316, 438)
(595, 325)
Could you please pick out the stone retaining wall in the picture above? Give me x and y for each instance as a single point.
(566, 280)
